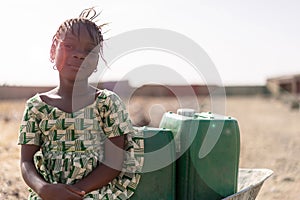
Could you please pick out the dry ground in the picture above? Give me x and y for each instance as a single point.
(270, 138)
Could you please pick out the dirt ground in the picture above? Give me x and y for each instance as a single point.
(270, 138)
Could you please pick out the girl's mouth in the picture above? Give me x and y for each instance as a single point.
(76, 67)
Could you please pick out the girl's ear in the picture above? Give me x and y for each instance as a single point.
(52, 52)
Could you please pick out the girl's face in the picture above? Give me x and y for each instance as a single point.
(77, 53)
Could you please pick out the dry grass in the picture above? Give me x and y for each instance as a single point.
(12, 185)
(270, 138)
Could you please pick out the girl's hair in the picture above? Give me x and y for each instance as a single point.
(87, 17)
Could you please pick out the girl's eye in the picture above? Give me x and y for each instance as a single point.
(68, 46)
(93, 51)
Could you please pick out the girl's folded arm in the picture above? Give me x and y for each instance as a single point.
(107, 170)
(37, 183)
(28, 170)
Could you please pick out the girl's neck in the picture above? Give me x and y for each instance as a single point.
(74, 89)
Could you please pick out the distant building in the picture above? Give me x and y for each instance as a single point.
(284, 85)
(287, 89)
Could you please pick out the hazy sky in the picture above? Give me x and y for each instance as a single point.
(247, 40)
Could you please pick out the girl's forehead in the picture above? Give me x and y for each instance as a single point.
(80, 31)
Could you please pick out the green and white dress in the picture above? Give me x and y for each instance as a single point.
(72, 144)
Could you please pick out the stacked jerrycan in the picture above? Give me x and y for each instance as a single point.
(158, 173)
(207, 147)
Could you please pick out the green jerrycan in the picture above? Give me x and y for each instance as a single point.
(158, 174)
(207, 148)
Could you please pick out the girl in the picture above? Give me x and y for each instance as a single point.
(76, 140)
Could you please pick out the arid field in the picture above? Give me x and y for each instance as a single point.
(270, 138)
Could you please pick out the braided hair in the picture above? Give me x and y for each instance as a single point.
(87, 17)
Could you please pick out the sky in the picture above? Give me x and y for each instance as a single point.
(247, 41)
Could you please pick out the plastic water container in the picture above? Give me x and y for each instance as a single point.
(158, 177)
(208, 147)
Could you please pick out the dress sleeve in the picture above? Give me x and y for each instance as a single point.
(115, 120)
(29, 132)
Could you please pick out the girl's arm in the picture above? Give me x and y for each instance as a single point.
(36, 182)
(109, 169)
(29, 173)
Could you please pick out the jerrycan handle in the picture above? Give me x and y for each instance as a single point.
(188, 112)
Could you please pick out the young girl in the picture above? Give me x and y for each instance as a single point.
(77, 140)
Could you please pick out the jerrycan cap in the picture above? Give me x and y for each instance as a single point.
(188, 112)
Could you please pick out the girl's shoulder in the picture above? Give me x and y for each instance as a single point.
(110, 99)
(34, 107)
(108, 94)
(34, 100)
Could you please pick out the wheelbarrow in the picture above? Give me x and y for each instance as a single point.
(249, 183)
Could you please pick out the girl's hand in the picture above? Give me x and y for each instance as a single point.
(75, 190)
(61, 192)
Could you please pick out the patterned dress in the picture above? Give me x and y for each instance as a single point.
(72, 144)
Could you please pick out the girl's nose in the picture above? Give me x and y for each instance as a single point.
(79, 55)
